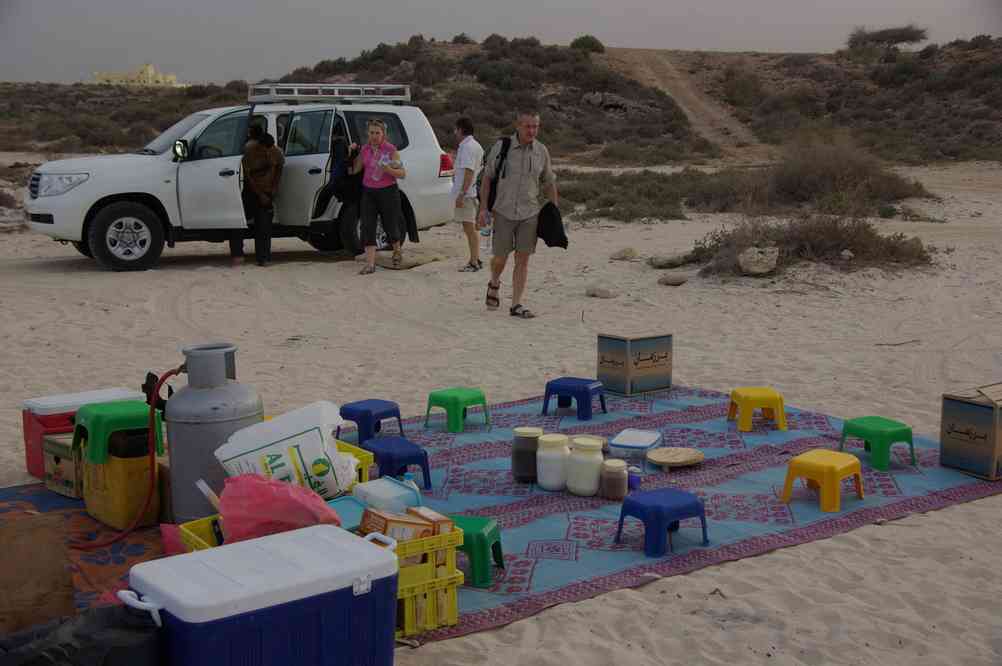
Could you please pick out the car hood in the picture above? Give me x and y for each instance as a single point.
(95, 163)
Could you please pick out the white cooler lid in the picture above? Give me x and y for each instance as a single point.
(71, 402)
(250, 575)
(631, 438)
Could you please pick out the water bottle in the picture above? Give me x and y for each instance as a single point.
(485, 234)
(409, 480)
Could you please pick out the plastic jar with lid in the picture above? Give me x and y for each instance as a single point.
(584, 466)
(523, 454)
(615, 480)
(551, 462)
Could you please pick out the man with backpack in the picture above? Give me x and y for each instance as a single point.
(469, 162)
(516, 172)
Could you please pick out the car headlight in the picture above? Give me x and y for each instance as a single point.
(53, 184)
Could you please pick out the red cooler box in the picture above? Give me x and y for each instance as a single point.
(53, 415)
(319, 596)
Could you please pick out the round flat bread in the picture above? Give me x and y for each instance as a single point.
(675, 457)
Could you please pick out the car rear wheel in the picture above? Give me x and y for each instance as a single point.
(329, 242)
(126, 236)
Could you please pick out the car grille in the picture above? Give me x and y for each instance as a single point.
(33, 185)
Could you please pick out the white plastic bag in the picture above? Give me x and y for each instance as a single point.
(297, 447)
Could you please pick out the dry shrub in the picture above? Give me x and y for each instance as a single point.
(7, 200)
(742, 88)
(825, 172)
(833, 172)
(627, 197)
(746, 190)
(812, 237)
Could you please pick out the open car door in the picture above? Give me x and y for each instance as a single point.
(209, 180)
(307, 153)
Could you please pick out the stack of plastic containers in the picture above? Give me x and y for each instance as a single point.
(53, 415)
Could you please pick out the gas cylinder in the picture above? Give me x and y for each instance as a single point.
(200, 417)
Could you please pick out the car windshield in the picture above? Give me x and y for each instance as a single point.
(163, 143)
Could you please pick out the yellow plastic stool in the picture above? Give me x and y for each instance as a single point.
(746, 399)
(824, 470)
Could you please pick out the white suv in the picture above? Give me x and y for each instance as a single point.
(185, 185)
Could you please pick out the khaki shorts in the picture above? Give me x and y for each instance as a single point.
(468, 213)
(514, 235)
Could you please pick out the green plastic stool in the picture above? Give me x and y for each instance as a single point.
(455, 401)
(878, 434)
(481, 538)
(102, 419)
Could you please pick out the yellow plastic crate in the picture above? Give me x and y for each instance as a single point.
(432, 552)
(365, 459)
(426, 588)
(198, 534)
(427, 606)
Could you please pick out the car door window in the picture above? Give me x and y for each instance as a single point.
(395, 132)
(281, 125)
(223, 138)
(309, 134)
(260, 121)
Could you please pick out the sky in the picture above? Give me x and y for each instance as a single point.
(221, 40)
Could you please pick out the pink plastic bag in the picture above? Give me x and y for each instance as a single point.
(252, 506)
(170, 535)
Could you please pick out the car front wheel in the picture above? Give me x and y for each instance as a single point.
(126, 236)
(82, 248)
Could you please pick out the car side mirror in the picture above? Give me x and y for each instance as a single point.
(181, 150)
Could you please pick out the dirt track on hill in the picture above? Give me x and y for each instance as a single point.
(708, 118)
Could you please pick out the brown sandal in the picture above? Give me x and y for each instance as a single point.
(493, 300)
(398, 258)
(521, 312)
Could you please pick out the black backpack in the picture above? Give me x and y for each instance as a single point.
(502, 157)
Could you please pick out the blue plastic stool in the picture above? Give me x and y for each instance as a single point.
(367, 415)
(581, 390)
(661, 511)
(394, 454)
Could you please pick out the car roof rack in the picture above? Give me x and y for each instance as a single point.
(342, 93)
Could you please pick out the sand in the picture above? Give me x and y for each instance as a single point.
(918, 591)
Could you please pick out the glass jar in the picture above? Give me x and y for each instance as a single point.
(615, 480)
(634, 477)
(551, 462)
(523, 454)
(584, 466)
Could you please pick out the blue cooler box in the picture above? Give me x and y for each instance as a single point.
(319, 596)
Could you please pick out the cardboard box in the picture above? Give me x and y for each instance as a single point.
(399, 526)
(63, 465)
(971, 432)
(442, 524)
(631, 365)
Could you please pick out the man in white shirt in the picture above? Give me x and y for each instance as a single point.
(469, 162)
